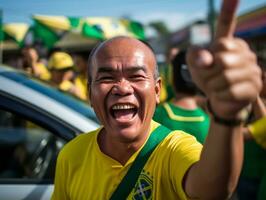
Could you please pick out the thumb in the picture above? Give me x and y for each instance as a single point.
(200, 62)
(199, 58)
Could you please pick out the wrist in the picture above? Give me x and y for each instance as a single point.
(232, 122)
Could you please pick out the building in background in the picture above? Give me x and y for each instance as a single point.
(251, 26)
(195, 33)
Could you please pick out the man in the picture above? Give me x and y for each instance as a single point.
(252, 182)
(32, 64)
(61, 66)
(80, 60)
(183, 112)
(124, 89)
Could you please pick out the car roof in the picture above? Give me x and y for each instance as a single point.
(47, 98)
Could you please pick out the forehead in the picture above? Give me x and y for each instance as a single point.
(123, 52)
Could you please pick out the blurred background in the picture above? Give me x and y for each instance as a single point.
(79, 25)
(76, 27)
(44, 48)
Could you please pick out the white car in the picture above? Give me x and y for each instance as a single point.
(36, 120)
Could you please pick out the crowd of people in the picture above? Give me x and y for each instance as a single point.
(60, 69)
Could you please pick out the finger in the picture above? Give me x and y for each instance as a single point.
(241, 92)
(225, 60)
(200, 66)
(226, 20)
(230, 44)
(200, 62)
(230, 77)
(197, 57)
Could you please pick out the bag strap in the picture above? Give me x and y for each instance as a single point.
(128, 182)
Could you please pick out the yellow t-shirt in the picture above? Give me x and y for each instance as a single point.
(44, 73)
(66, 85)
(83, 172)
(258, 131)
(76, 87)
(81, 82)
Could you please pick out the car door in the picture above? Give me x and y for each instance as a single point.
(30, 140)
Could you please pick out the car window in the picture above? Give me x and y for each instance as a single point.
(27, 151)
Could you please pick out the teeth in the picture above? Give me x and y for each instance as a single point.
(120, 107)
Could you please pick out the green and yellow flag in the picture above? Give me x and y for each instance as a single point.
(107, 27)
(13, 34)
(51, 29)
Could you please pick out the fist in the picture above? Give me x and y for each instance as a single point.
(228, 74)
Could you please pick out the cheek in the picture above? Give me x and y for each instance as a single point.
(97, 95)
(147, 92)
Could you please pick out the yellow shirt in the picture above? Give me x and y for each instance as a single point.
(83, 172)
(66, 85)
(44, 73)
(258, 131)
(81, 84)
(76, 87)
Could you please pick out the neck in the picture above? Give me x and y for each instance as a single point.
(185, 101)
(119, 150)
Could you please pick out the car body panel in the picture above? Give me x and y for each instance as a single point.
(58, 113)
(46, 103)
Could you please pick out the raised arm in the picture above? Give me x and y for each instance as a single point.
(229, 76)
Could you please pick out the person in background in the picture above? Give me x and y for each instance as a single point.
(252, 182)
(61, 66)
(81, 60)
(183, 112)
(166, 72)
(32, 64)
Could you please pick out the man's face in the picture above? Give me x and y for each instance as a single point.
(30, 55)
(57, 76)
(123, 90)
(81, 64)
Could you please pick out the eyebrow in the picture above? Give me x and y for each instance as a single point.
(131, 69)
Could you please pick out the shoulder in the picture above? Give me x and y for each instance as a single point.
(181, 143)
(79, 145)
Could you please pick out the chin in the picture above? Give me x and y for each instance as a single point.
(127, 135)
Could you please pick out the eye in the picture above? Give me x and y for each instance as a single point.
(105, 79)
(137, 77)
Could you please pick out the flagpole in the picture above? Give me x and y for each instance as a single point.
(211, 16)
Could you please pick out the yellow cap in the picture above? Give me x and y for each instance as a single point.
(60, 60)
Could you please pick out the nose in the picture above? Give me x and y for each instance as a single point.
(122, 88)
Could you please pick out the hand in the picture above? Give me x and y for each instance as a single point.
(228, 73)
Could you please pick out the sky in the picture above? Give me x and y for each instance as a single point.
(175, 13)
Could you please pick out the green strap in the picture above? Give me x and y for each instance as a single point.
(128, 182)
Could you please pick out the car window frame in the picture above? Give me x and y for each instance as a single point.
(41, 118)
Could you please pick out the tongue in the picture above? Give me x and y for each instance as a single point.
(124, 114)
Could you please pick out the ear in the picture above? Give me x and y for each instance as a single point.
(89, 95)
(158, 86)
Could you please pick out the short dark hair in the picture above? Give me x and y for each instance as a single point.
(182, 80)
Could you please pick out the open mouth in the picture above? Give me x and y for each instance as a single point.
(123, 112)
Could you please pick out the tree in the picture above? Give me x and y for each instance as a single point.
(160, 27)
